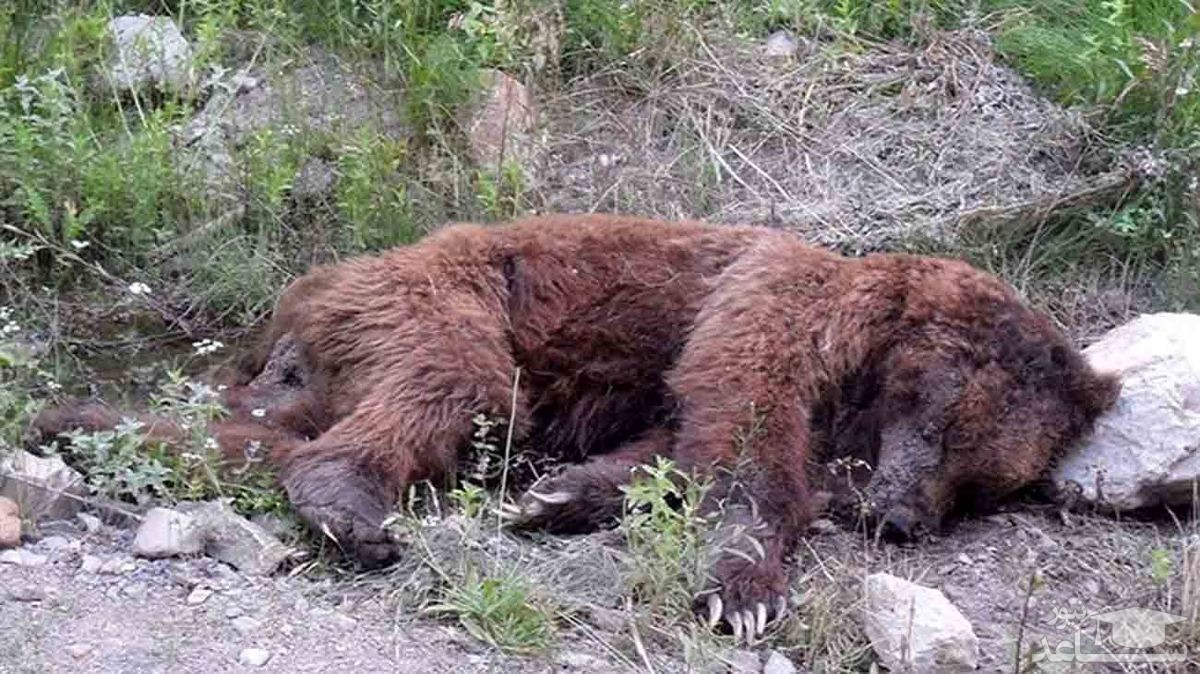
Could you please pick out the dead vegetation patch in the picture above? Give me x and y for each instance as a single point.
(857, 145)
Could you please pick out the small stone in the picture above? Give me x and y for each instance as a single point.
(79, 651)
(245, 625)
(55, 543)
(116, 566)
(254, 657)
(608, 619)
(233, 611)
(91, 523)
(822, 526)
(577, 660)
(963, 558)
(742, 661)
(135, 591)
(777, 663)
(198, 596)
(781, 44)
(343, 621)
(91, 564)
(27, 592)
(10, 523)
(915, 628)
(22, 557)
(167, 533)
(301, 605)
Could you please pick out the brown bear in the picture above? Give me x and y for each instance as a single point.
(739, 352)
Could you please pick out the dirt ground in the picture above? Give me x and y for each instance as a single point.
(59, 613)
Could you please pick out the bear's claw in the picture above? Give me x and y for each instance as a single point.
(751, 623)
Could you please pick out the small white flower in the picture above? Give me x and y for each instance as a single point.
(211, 444)
(1182, 91)
(205, 347)
(10, 328)
(258, 413)
(80, 245)
(139, 288)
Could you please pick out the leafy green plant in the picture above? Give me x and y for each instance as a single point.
(502, 611)
(117, 464)
(666, 536)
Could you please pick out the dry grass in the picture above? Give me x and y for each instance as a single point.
(855, 145)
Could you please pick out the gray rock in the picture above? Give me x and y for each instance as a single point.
(43, 486)
(742, 661)
(27, 592)
(168, 533)
(91, 564)
(245, 625)
(22, 557)
(79, 650)
(91, 523)
(198, 596)
(116, 566)
(777, 663)
(502, 122)
(148, 52)
(238, 542)
(915, 628)
(323, 96)
(1146, 450)
(54, 543)
(254, 657)
(781, 44)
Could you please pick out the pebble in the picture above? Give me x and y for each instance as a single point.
(781, 44)
(343, 621)
(198, 596)
(79, 651)
(245, 625)
(254, 657)
(22, 557)
(27, 592)
(963, 558)
(55, 543)
(233, 611)
(742, 661)
(777, 663)
(577, 660)
(91, 564)
(91, 523)
(117, 566)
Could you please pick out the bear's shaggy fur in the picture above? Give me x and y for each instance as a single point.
(737, 351)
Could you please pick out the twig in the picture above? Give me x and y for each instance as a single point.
(512, 419)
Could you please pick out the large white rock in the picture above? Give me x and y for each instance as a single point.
(1146, 450)
(44, 486)
(148, 51)
(915, 628)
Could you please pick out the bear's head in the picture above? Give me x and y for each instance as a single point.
(977, 395)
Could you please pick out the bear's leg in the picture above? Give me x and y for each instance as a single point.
(409, 427)
(587, 496)
(743, 421)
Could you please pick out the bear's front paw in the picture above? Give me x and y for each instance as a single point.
(747, 596)
(347, 507)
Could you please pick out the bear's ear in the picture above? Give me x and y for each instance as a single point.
(1100, 392)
